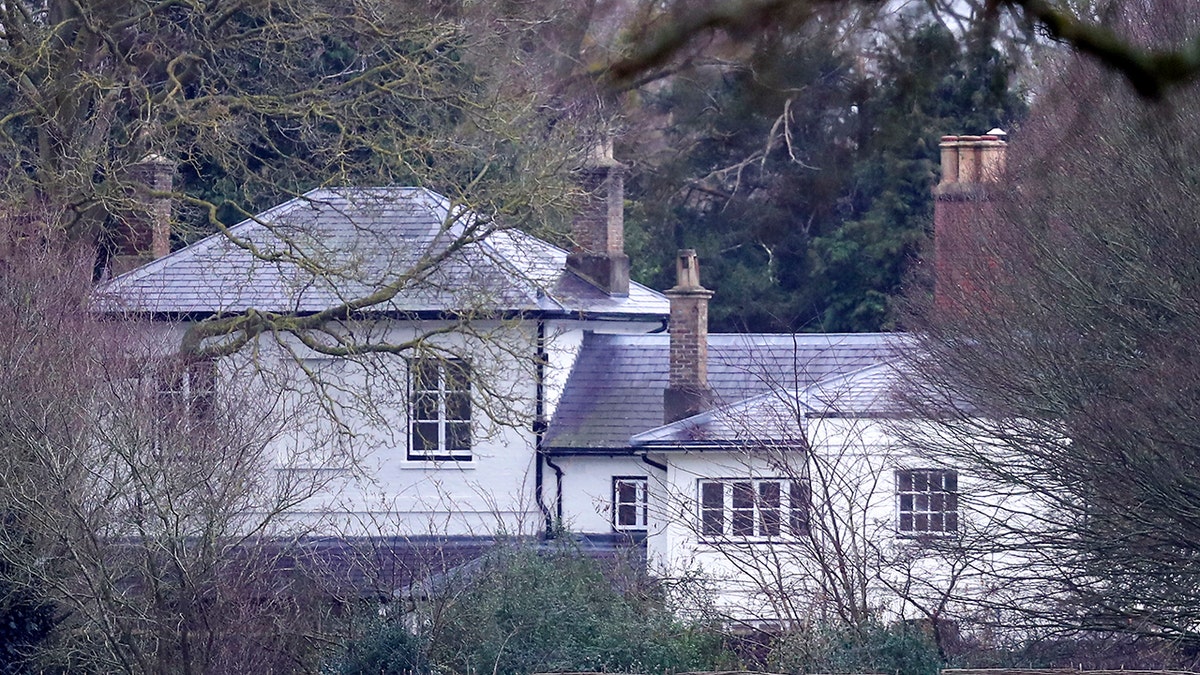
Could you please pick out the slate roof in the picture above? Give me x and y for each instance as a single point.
(777, 417)
(615, 390)
(331, 246)
(414, 566)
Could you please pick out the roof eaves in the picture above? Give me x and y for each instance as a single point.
(578, 451)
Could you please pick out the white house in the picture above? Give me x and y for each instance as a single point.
(492, 383)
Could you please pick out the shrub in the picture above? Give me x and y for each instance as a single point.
(900, 649)
(388, 648)
(521, 610)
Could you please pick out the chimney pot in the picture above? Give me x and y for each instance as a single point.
(971, 166)
(145, 233)
(687, 271)
(599, 227)
(687, 391)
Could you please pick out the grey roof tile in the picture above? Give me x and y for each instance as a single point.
(332, 246)
(615, 390)
(776, 417)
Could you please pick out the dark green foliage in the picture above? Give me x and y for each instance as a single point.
(374, 132)
(386, 649)
(522, 610)
(818, 230)
(899, 649)
(25, 622)
(527, 611)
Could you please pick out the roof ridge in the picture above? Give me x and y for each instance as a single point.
(208, 241)
(504, 263)
(695, 421)
(380, 228)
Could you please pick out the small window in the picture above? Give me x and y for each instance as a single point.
(927, 501)
(767, 508)
(185, 392)
(630, 505)
(439, 410)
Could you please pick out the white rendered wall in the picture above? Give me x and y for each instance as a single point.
(343, 440)
(854, 556)
(587, 489)
(339, 432)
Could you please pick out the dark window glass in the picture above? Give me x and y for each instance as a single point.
(928, 500)
(743, 509)
(425, 436)
(458, 437)
(426, 406)
(458, 406)
(425, 375)
(799, 508)
(712, 509)
(627, 515)
(629, 503)
(440, 410)
(458, 376)
(751, 509)
(769, 509)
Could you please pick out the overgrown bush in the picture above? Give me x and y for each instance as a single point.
(387, 647)
(522, 610)
(899, 649)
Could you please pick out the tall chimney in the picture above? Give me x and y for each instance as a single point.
(687, 391)
(599, 227)
(145, 231)
(972, 167)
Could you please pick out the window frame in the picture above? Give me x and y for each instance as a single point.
(443, 398)
(742, 515)
(185, 391)
(927, 503)
(641, 503)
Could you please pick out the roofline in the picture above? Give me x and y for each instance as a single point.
(580, 451)
(419, 315)
(713, 446)
(858, 416)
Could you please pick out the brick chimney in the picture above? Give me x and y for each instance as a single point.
(972, 167)
(687, 391)
(144, 233)
(599, 227)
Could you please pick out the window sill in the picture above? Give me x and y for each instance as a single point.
(752, 541)
(438, 464)
(920, 536)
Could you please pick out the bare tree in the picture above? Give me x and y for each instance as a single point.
(257, 103)
(138, 494)
(670, 32)
(1069, 376)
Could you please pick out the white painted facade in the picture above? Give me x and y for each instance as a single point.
(341, 428)
(853, 556)
(345, 435)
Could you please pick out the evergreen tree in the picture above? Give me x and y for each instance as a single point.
(806, 186)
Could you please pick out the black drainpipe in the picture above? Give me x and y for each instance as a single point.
(539, 425)
(660, 467)
(558, 480)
